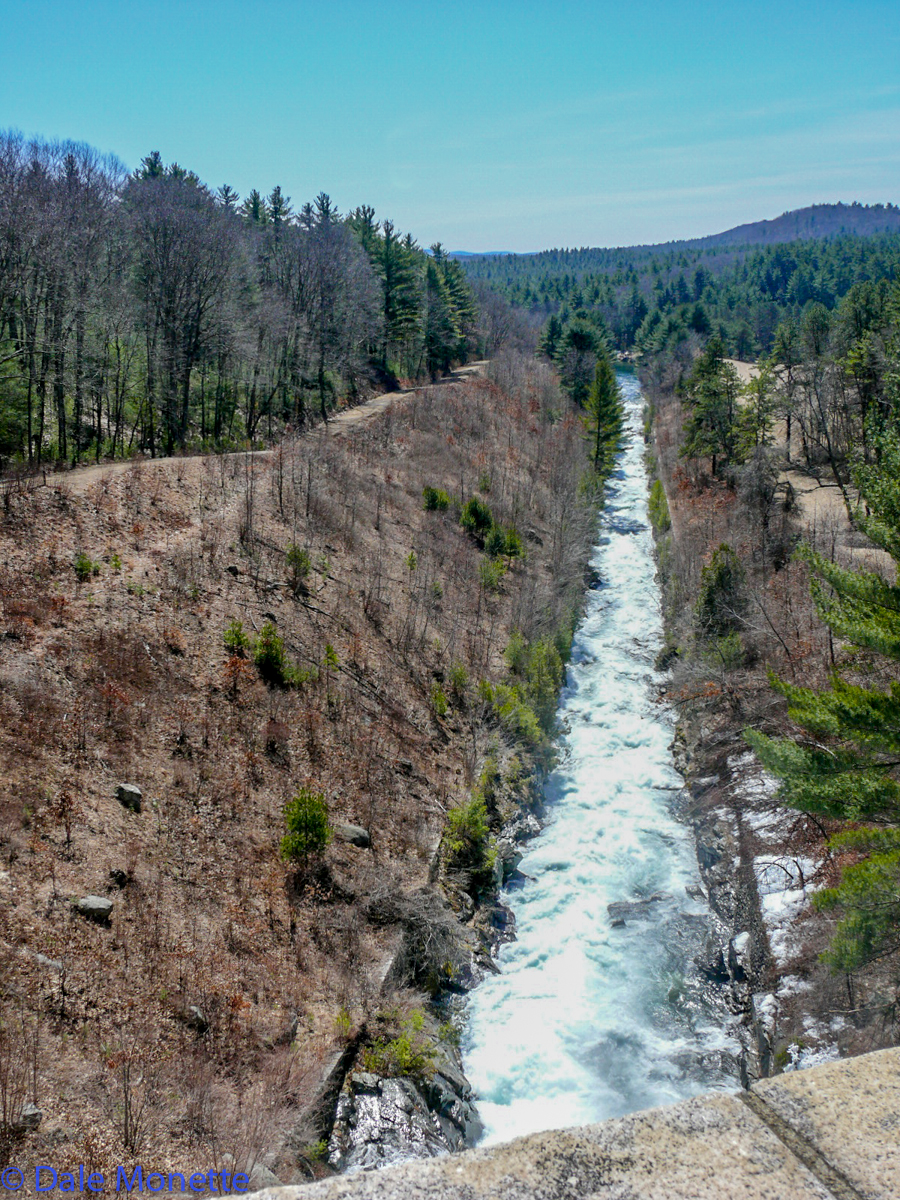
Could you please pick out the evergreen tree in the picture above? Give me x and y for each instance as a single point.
(254, 209)
(396, 264)
(278, 207)
(551, 337)
(441, 328)
(755, 421)
(711, 393)
(844, 762)
(227, 197)
(577, 358)
(604, 403)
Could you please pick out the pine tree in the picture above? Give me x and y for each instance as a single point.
(441, 329)
(711, 395)
(254, 208)
(551, 337)
(844, 764)
(604, 403)
(395, 262)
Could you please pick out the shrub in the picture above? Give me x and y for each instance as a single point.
(495, 542)
(409, 1053)
(490, 574)
(270, 658)
(722, 596)
(517, 716)
(727, 652)
(467, 833)
(659, 508)
(435, 499)
(308, 830)
(504, 543)
(514, 545)
(236, 640)
(298, 564)
(458, 681)
(545, 676)
(85, 567)
(331, 659)
(475, 517)
(516, 653)
(488, 779)
(439, 703)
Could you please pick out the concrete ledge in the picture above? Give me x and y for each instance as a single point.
(830, 1133)
(847, 1112)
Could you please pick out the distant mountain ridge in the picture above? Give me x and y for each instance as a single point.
(800, 224)
(804, 224)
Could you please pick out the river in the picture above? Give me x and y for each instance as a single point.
(588, 1020)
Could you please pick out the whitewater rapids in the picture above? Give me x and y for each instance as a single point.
(586, 1020)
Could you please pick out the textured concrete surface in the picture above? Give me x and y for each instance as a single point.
(711, 1147)
(849, 1112)
(830, 1133)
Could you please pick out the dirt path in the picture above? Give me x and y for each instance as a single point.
(82, 478)
(818, 502)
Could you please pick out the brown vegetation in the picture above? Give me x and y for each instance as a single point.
(721, 687)
(195, 1023)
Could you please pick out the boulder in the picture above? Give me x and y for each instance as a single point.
(356, 835)
(129, 796)
(261, 1178)
(739, 956)
(365, 1081)
(508, 856)
(194, 1019)
(42, 960)
(711, 960)
(521, 828)
(623, 910)
(29, 1118)
(381, 1120)
(95, 908)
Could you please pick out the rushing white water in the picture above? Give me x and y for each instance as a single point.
(588, 1021)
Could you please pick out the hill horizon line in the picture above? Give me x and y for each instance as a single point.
(827, 220)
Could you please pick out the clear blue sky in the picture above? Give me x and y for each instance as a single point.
(493, 125)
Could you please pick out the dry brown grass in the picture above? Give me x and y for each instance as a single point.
(221, 975)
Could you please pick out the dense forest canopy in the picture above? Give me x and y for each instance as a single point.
(822, 318)
(646, 298)
(146, 311)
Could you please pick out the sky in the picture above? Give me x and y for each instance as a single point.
(486, 126)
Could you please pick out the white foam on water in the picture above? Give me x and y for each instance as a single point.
(587, 1021)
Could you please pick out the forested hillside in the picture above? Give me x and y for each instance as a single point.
(648, 298)
(778, 522)
(298, 659)
(779, 525)
(149, 312)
